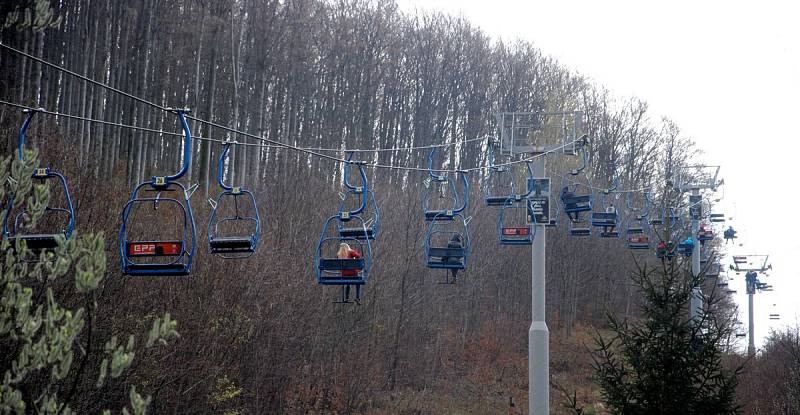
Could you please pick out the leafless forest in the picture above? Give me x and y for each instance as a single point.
(260, 335)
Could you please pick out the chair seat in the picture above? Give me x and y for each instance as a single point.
(612, 234)
(357, 233)
(577, 204)
(580, 200)
(635, 231)
(685, 250)
(156, 269)
(496, 200)
(527, 241)
(604, 223)
(604, 219)
(338, 279)
(580, 231)
(438, 215)
(446, 252)
(231, 244)
(36, 242)
(339, 264)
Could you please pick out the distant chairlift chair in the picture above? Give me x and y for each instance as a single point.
(235, 244)
(38, 242)
(347, 227)
(447, 240)
(576, 198)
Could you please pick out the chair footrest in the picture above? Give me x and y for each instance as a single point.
(451, 263)
(156, 269)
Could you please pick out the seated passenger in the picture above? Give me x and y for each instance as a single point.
(566, 194)
(661, 250)
(729, 234)
(688, 246)
(345, 252)
(454, 243)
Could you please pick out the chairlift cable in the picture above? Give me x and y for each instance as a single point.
(232, 130)
(277, 144)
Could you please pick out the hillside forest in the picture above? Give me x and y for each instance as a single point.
(260, 335)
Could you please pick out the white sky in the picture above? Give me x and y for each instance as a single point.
(725, 71)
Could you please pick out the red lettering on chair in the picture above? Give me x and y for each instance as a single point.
(154, 248)
(141, 249)
(516, 231)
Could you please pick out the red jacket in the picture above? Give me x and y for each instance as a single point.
(351, 254)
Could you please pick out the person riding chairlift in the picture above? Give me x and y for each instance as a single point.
(566, 194)
(454, 243)
(661, 250)
(688, 244)
(729, 234)
(702, 233)
(345, 252)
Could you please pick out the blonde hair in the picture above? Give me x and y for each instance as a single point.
(344, 249)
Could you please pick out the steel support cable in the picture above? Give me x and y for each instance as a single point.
(215, 140)
(565, 176)
(85, 78)
(280, 145)
(163, 108)
(275, 143)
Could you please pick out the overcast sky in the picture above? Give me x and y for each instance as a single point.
(725, 71)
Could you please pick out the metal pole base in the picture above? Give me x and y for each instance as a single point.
(539, 372)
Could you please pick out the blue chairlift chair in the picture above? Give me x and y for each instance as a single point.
(607, 217)
(347, 228)
(161, 256)
(577, 197)
(14, 231)
(440, 200)
(447, 246)
(513, 224)
(705, 234)
(499, 185)
(370, 213)
(637, 227)
(447, 240)
(243, 226)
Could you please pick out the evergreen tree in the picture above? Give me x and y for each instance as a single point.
(667, 363)
(48, 348)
